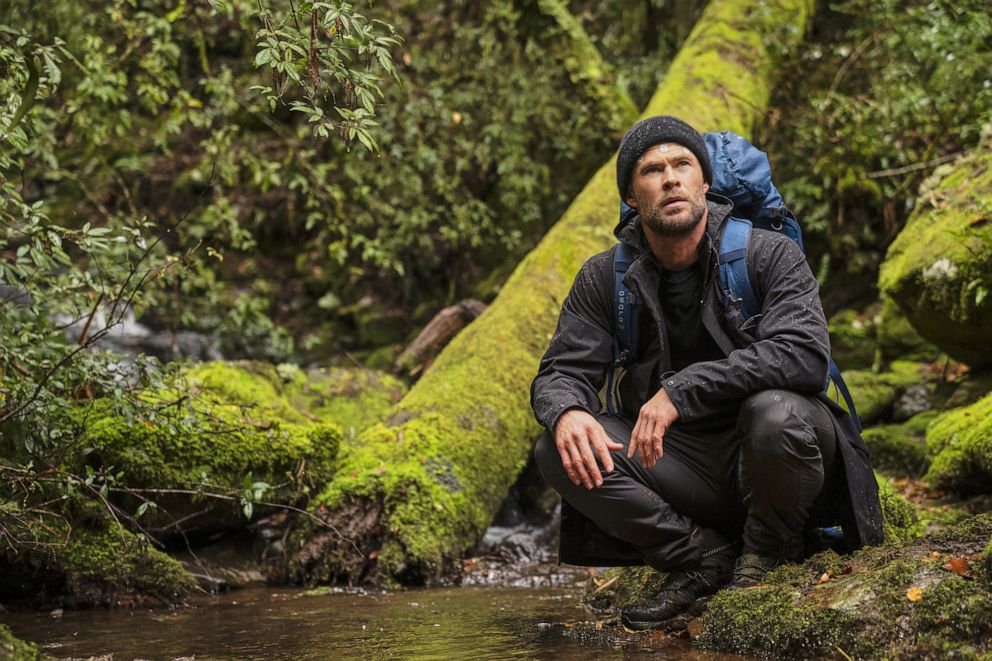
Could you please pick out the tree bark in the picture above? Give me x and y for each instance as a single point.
(440, 466)
(429, 342)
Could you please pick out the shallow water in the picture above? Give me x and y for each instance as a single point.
(267, 623)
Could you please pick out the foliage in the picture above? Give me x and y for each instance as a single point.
(882, 93)
(94, 96)
(638, 39)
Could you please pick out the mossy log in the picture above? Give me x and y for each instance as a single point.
(960, 442)
(278, 424)
(939, 268)
(92, 562)
(931, 598)
(417, 491)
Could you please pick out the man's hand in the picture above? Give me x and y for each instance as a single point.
(577, 434)
(653, 421)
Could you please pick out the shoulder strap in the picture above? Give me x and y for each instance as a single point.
(736, 286)
(734, 279)
(625, 311)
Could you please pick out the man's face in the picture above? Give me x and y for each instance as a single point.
(668, 190)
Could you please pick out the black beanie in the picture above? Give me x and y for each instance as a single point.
(654, 131)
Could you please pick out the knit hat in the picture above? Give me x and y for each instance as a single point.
(654, 131)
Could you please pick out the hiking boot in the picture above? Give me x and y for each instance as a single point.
(750, 570)
(680, 590)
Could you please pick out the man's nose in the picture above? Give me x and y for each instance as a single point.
(670, 179)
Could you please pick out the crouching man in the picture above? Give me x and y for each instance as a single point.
(723, 456)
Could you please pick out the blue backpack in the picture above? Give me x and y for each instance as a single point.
(741, 173)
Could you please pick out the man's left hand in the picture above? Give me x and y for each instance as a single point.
(653, 421)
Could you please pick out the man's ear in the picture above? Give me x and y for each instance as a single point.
(631, 202)
(706, 188)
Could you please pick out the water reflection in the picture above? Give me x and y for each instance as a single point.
(455, 623)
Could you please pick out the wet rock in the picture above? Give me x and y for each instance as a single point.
(915, 399)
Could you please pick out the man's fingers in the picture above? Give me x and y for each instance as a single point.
(599, 441)
(579, 465)
(566, 463)
(632, 448)
(592, 468)
(644, 442)
(659, 444)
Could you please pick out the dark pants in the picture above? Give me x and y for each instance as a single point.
(757, 481)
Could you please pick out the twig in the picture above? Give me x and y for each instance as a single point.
(906, 169)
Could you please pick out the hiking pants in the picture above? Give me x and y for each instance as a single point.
(757, 481)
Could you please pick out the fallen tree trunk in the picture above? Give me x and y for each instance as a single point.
(417, 491)
(436, 334)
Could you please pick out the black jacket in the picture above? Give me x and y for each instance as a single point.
(786, 346)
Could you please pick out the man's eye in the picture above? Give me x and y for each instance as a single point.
(684, 162)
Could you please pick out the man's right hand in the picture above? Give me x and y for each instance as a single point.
(577, 434)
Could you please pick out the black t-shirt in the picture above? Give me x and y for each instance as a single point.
(681, 294)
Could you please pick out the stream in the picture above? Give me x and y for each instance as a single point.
(481, 622)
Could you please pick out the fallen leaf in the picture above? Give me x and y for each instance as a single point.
(958, 565)
(373, 555)
(599, 625)
(914, 594)
(935, 554)
(825, 577)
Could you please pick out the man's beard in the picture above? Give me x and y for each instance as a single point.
(673, 226)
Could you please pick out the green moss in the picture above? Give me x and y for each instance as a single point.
(852, 336)
(897, 339)
(620, 586)
(91, 562)
(875, 393)
(970, 388)
(272, 421)
(936, 266)
(461, 435)
(901, 521)
(15, 649)
(863, 604)
(900, 449)
(960, 442)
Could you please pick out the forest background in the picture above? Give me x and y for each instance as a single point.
(308, 184)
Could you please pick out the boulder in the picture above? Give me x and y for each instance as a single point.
(939, 268)
(960, 444)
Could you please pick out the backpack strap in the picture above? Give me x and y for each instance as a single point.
(734, 279)
(736, 286)
(625, 311)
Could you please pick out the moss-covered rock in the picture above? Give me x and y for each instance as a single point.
(900, 449)
(969, 389)
(853, 337)
(897, 339)
(15, 649)
(426, 484)
(875, 394)
(960, 443)
(939, 268)
(900, 519)
(906, 601)
(621, 586)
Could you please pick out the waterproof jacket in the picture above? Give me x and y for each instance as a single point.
(785, 347)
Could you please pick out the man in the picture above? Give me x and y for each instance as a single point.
(725, 451)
